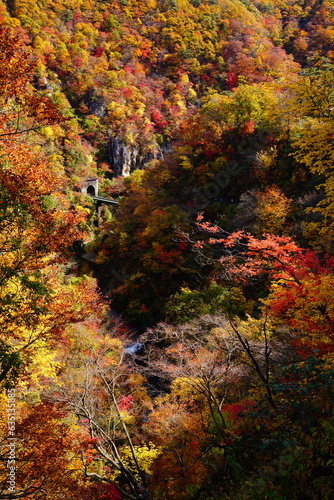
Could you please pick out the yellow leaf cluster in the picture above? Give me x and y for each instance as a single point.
(146, 454)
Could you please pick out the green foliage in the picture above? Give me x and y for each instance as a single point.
(292, 451)
(188, 304)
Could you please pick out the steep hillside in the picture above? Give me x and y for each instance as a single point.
(211, 122)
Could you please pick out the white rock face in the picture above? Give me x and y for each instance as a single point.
(124, 159)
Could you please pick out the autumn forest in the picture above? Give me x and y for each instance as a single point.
(166, 333)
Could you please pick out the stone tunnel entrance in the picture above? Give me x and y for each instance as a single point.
(91, 190)
(90, 187)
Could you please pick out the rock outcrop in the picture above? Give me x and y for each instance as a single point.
(124, 158)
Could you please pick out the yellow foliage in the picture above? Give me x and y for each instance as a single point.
(136, 179)
(43, 366)
(184, 78)
(183, 387)
(31, 342)
(191, 94)
(145, 454)
(185, 163)
(271, 210)
(127, 418)
(254, 328)
(311, 114)
(47, 132)
(118, 111)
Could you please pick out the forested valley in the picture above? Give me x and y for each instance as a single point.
(166, 249)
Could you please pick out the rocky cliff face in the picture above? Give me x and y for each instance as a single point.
(124, 158)
(95, 104)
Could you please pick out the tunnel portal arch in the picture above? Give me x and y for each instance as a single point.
(90, 187)
(91, 190)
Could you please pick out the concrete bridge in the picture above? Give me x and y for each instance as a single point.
(100, 200)
(90, 186)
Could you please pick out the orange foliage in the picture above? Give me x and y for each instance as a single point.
(23, 108)
(29, 184)
(182, 437)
